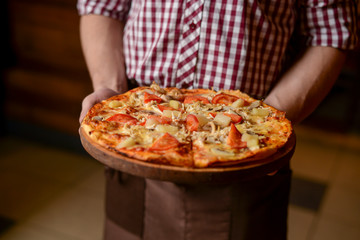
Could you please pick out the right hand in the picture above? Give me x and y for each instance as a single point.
(93, 98)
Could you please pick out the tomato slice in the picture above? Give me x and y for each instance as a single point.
(224, 98)
(151, 97)
(165, 142)
(162, 108)
(160, 119)
(234, 117)
(234, 138)
(123, 118)
(196, 98)
(212, 114)
(192, 123)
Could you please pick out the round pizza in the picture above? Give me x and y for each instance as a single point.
(187, 127)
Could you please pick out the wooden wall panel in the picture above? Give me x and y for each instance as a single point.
(46, 34)
(48, 79)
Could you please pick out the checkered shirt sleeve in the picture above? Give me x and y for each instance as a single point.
(329, 23)
(117, 9)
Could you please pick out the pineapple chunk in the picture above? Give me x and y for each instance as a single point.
(115, 104)
(222, 153)
(174, 104)
(252, 141)
(166, 128)
(241, 128)
(238, 103)
(151, 122)
(129, 142)
(202, 119)
(261, 112)
(222, 120)
(170, 113)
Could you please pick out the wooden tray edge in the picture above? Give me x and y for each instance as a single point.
(185, 175)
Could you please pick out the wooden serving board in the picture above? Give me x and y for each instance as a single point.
(212, 175)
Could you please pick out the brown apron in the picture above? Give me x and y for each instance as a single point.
(138, 208)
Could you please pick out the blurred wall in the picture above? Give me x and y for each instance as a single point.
(45, 78)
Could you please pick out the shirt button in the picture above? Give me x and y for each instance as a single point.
(192, 26)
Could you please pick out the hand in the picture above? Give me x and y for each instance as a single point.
(93, 98)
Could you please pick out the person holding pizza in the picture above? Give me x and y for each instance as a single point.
(288, 53)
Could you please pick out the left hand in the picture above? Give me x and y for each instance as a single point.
(93, 98)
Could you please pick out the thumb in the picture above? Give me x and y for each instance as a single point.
(93, 98)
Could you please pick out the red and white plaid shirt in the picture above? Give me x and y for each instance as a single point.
(224, 44)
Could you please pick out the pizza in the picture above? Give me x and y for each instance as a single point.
(196, 128)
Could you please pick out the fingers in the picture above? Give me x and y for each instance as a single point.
(94, 98)
(86, 105)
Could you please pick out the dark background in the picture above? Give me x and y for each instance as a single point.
(44, 76)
